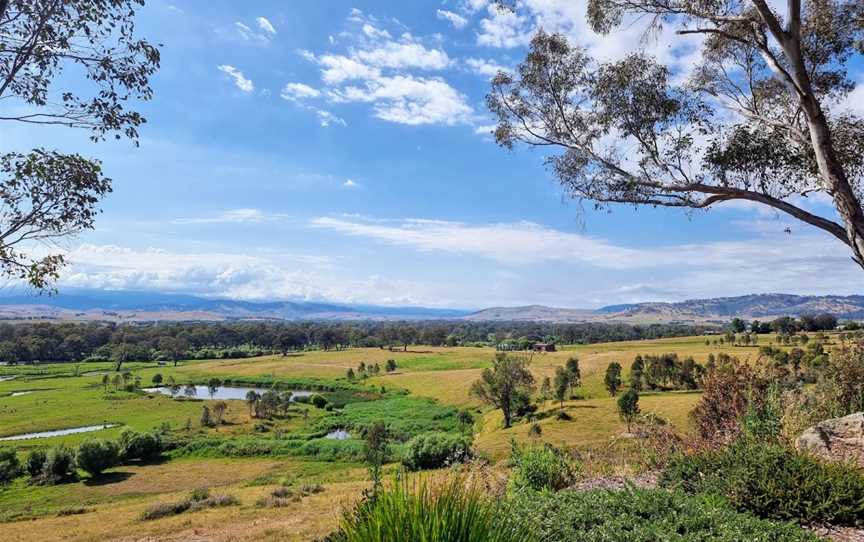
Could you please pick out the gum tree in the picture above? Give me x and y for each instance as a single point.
(47, 195)
(758, 119)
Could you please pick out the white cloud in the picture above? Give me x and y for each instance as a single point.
(404, 55)
(504, 28)
(266, 25)
(326, 119)
(854, 102)
(455, 19)
(473, 6)
(484, 67)
(350, 183)
(405, 99)
(485, 129)
(791, 261)
(237, 276)
(234, 216)
(382, 71)
(239, 79)
(298, 91)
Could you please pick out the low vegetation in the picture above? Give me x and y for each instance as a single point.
(200, 499)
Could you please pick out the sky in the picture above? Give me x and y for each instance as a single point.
(340, 151)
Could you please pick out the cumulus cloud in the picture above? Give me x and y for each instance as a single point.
(455, 19)
(240, 80)
(298, 91)
(484, 67)
(237, 276)
(350, 183)
(326, 119)
(395, 75)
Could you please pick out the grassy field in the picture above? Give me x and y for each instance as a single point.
(65, 396)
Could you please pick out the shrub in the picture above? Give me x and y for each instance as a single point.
(94, 456)
(450, 513)
(142, 446)
(59, 465)
(198, 500)
(642, 515)
(540, 467)
(318, 401)
(435, 449)
(10, 466)
(35, 462)
(774, 482)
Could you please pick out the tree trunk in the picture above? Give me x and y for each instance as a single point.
(506, 411)
(845, 201)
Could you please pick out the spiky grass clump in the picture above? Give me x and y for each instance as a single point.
(408, 512)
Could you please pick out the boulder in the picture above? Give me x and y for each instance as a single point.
(837, 438)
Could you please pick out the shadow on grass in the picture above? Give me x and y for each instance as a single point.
(108, 478)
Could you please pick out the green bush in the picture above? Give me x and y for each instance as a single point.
(319, 401)
(540, 467)
(94, 456)
(642, 515)
(200, 499)
(141, 446)
(10, 466)
(407, 514)
(772, 481)
(59, 465)
(35, 462)
(435, 449)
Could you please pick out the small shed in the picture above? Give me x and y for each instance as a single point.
(544, 347)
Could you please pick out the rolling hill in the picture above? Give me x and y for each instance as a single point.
(125, 306)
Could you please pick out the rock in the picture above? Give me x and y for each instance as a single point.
(837, 438)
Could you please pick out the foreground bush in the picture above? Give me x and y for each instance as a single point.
(435, 449)
(772, 481)
(540, 467)
(35, 462)
(94, 456)
(141, 446)
(10, 466)
(638, 515)
(59, 465)
(451, 513)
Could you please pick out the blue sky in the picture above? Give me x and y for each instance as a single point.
(339, 151)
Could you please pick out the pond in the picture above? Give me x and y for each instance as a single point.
(20, 393)
(339, 434)
(60, 432)
(5, 378)
(225, 393)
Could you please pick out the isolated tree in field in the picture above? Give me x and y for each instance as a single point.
(504, 384)
(375, 451)
(173, 386)
(612, 380)
(252, 399)
(269, 403)
(219, 410)
(737, 325)
(574, 373)
(285, 401)
(117, 381)
(190, 391)
(206, 419)
(72, 63)
(105, 380)
(628, 407)
(157, 380)
(546, 388)
(758, 119)
(213, 386)
(173, 348)
(350, 374)
(391, 365)
(561, 385)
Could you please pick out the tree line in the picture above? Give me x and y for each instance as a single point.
(56, 342)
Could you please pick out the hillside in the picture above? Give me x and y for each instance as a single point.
(122, 306)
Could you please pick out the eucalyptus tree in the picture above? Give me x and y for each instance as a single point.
(70, 63)
(759, 118)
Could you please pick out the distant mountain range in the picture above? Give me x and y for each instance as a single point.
(124, 306)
